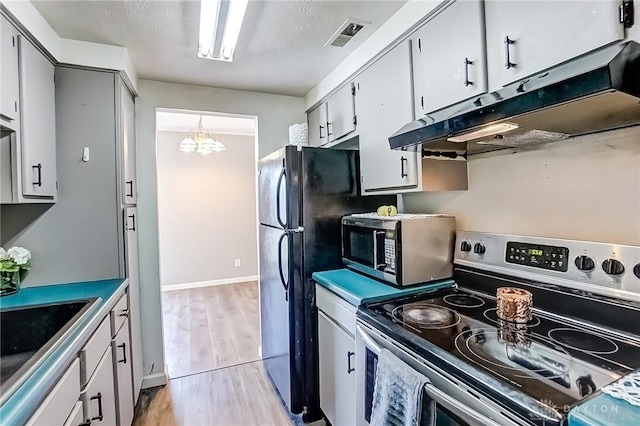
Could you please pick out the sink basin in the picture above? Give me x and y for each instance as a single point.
(28, 334)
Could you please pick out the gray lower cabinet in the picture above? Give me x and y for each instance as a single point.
(384, 105)
(99, 396)
(337, 375)
(121, 353)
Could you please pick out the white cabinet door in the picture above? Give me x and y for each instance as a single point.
(337, 373)
(341, 112)
(76, 418)
(135, 313)
(99, 397)
(526, 36)
(317, 120)
(9, 73)
(384, 105)
(38, 122)
(121, 347)
(128, 140)
(60, 402)
(449, 61)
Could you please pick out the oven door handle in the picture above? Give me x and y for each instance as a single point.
(434, 393)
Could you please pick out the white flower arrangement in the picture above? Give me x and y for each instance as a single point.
(15, 259)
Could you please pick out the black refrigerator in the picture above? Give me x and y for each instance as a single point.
(303, 193)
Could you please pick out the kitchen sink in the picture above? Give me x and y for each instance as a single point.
(28, 335)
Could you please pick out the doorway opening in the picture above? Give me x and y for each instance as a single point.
(207, 238)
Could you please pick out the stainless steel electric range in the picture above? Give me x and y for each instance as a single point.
(584, 333)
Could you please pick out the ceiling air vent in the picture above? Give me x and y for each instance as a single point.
(346, 32)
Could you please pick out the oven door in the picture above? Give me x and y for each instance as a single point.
(455, 406)
(366, 248)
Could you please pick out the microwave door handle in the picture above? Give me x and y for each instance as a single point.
(375, 248)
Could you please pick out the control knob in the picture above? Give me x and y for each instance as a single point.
(478, 248)
(465, 246)
(636, 270)
(612, 267)
(585, 263)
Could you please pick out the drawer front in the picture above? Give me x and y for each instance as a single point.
(94, 349)
(119, 314)
(76, 418)
(61, 400)
(99, 396)
(337, 309)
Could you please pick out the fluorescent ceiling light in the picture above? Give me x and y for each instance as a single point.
(220, 28)
(492, 129)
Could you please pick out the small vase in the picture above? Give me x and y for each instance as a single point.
(9, 282)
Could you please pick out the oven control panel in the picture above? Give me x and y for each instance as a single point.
(537, 255)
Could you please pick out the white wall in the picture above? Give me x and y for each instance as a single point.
(206, 210)
(275, 113)
(586, 188)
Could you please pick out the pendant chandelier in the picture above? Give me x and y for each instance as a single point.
(201, 141)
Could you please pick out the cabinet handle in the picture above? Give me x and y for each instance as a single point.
(125, 313)
(349, 368)
(100, 415)
(39, 168)
(86, 423)
(124, 353)
(403, 174)
(321, 127)
(130, 185)
(467, 62)
(133, 219)
(329, 132)
(508, 42)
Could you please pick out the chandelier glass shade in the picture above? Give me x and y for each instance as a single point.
(201, 141)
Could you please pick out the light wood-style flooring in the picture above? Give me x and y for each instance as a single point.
(234, 396)
(210, 327)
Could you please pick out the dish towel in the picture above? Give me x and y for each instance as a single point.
(398, 395)
(626, 388)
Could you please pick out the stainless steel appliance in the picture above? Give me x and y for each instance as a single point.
(402, 250)
(584, 333)
(593, 93)
(303, 193)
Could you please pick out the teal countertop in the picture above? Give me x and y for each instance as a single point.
(357, 289)
(605, 410)
(19, 406)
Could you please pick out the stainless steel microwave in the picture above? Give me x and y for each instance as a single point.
(402, 250)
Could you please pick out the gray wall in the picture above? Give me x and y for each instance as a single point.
(275, 114)
(206, 210)
(586, 188)
(75, 239)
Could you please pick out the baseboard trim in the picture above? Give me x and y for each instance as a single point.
(173, 287)
(153, 380)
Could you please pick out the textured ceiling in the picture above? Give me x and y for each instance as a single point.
(280, 50)
(182, 122)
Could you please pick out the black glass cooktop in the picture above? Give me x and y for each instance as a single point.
(548, 359)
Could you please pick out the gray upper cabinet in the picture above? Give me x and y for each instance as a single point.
(449, 61)
(9, 86)
(128, 145)
(384, 104)
(317, 120)
(525, 37)
(38, 122)
(341, 112)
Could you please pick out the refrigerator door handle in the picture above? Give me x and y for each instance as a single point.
(283, 174)
(285, 283)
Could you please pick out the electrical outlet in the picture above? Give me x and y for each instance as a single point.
(237, 262)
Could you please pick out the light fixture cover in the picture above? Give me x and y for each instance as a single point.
(492, 129)
(211, 19)
(188, 145)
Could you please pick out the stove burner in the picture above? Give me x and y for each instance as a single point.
(463, 300)
(583, 341)
(539, 357)
(492, 315)
(426, 315)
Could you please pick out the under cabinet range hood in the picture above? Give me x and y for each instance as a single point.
(597, 92)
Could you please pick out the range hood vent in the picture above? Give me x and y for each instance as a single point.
(594, 93)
